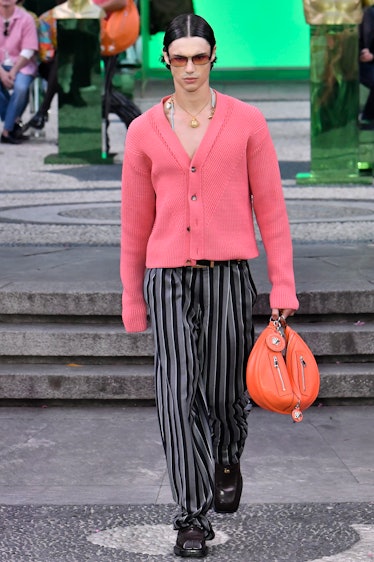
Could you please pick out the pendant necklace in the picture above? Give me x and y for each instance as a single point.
(194, 123)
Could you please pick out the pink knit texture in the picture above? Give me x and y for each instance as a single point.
(176, 210)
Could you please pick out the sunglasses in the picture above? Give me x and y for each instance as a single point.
(198, 60)
(6, 28)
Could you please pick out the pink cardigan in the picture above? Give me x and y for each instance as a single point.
(176, 210)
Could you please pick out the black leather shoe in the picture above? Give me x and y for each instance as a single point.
(191, 543)
(228, 488)
(17, 133)
(10, 140)
(36, 122)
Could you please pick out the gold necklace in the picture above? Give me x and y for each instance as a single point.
(194, 121)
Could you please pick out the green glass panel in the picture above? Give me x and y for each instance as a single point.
(80, 92)
(334, 105)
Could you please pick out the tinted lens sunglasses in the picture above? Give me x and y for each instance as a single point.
(198, 60)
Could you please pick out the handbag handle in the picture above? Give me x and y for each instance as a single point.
(279, 324)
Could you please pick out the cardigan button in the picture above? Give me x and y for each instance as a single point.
(188, 228)
(194, 197)
(193, 169)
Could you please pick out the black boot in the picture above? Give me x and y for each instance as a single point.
(228, 488)
(36, 122)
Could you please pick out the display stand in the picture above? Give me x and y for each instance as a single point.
(80, 90)
(334, 106)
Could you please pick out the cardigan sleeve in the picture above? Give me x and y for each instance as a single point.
(271, 216)
(137, 218)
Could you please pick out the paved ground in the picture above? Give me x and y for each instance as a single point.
(88, 481)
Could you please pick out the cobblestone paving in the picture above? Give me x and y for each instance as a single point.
(257, 533)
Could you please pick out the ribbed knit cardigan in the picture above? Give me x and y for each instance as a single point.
(176, 210)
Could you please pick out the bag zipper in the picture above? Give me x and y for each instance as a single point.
(303, 365)
(276, 365)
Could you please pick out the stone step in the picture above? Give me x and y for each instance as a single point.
(59, 303)
(108, 303)
(347, 380)
(340, 338)
(135, 382)
(76, 382)
(73, 340)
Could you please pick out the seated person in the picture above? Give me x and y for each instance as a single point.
(18, 45)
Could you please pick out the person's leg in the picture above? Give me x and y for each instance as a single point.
(172, 296)
(228, 339)
(18, 100)
(368, 111)
(47, 71)
(367, 79)
(4, 101)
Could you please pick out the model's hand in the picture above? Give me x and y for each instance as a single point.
(277, 313)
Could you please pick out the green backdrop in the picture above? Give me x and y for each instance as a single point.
(252, 34)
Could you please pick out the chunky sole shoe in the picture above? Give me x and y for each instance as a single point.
(228, 486)
(191, 543)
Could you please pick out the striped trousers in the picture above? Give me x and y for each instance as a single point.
(203, 333)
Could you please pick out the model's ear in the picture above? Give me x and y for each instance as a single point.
(166, 57)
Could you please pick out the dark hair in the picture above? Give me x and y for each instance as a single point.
(188, 25)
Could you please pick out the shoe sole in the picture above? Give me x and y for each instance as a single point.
(226, 511)
(189, 553)
(10, 142)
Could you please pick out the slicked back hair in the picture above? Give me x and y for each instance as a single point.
(188, 25)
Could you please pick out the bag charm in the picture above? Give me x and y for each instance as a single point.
(282, 373)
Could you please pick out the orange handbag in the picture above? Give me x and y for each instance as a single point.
(120, 29)
(282, 373)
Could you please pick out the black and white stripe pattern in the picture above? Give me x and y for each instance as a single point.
(202, 325)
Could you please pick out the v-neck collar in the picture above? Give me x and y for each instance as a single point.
(161, 122)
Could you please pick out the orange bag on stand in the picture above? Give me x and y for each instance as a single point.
(120, 29)
(282, 373)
